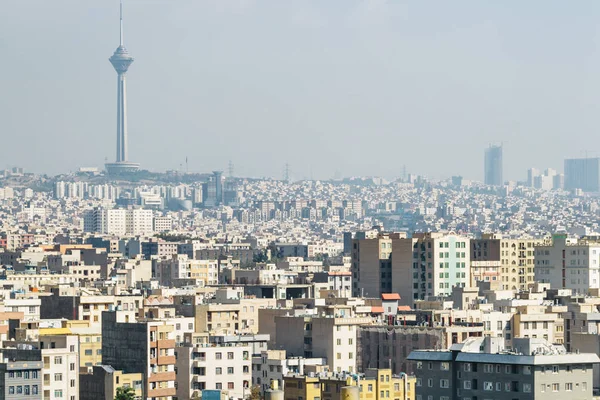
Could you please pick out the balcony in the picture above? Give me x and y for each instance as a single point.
(166, 360)
(162, 377)
(164, 392)
(166, 344)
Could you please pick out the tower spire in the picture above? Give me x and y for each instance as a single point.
(121, 25)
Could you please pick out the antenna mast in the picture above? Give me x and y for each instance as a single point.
(121, 25)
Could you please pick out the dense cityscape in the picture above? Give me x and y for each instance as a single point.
(119, 283)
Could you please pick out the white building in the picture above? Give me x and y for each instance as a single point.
(568, 264)
(202, 364)
(118, 221)
(60, 354)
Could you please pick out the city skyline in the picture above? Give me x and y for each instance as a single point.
(228, 86)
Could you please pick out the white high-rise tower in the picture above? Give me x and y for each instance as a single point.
(121, 60)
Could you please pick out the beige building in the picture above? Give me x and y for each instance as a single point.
(510, 261)
(323, 337)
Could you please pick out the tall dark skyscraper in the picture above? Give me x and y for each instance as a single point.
(582, 173)
(493, 166)
(121, 60)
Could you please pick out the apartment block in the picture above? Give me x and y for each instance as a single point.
(204, 363)
(145, 347)
(60, 354)
(21, 374)
(480, 368)
(568, 263)
(510, 262)
(323, 337)
(374, 384)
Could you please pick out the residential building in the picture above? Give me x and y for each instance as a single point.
(145, 347)
(481, 368)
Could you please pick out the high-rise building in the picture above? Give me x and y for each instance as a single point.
(118, 221)
(507, 262)
(121, 60)
(493, 166)
(568, 263)
(146, 347)
(582, 173)
(212, 191)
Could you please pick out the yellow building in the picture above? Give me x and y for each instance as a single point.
(379, 384)
(375, 384)
(90, 341)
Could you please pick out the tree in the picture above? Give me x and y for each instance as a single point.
(255, 393)
(125, 393)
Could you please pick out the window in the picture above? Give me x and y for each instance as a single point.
(429, 382)
(58, 377)
(26, 390)
(89, 352)
(526, 370)
(230, 370)
(71, 367)
(555, 369)
(467, 385)
(527, 387)
(72, 382)
(555, 387)
(34, 389)
(11, 390)
(230, 355)
(488, 386)
(569, 387)
(57, 361)
(370, 387)
(218, 370)
(230, 385)
(444, 366)
(419, 383)
(543, 388)
(444, 383)
(467, 367)
(58, 393)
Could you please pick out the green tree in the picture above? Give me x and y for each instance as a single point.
(125, 393)
(255, 393)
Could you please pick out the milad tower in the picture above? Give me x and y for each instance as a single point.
(121, 60)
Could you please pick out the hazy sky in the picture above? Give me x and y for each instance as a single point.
(359, 87)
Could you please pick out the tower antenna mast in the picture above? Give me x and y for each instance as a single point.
(121, 25)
